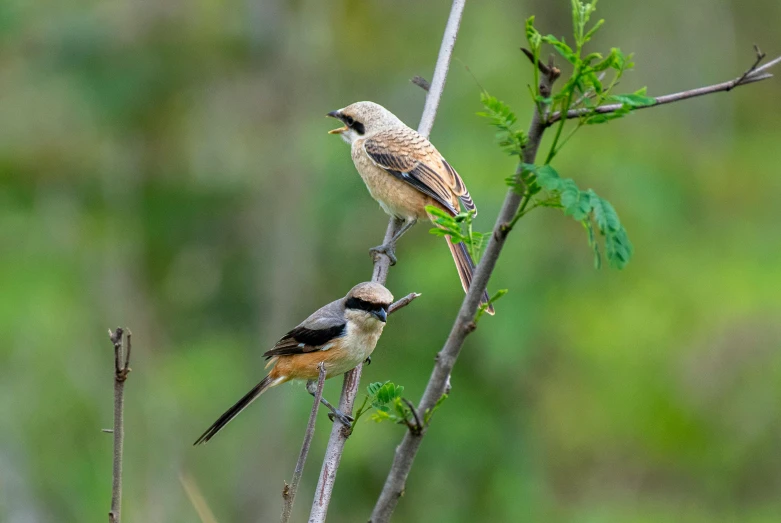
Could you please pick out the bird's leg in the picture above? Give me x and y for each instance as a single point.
(388, 248)
(311, 388)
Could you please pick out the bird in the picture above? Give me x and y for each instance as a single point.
(341, 334)
(404, 172)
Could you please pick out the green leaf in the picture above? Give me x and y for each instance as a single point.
(592, 242)
(593, 30)
(548, 178)
(604, 214)
(564, 50)
(618, 249)
(633, 100)
(533, 36)
(597, 118)
(373, 388)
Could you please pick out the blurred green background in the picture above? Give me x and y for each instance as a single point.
(164, 165)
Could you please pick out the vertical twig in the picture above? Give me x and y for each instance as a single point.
(289, 491)
(339, 433)
(121, 371)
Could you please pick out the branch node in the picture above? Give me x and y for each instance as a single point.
(740, 80)
(417, 427)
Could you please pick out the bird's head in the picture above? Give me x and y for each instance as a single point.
(367, 304)
(363, 119)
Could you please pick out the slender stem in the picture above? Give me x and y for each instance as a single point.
(406, 300)
(756, 74)
(121, 370)
(289, 491)
(442, 67)
(464, 324)
(339, 433)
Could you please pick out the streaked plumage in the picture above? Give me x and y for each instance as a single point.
(404, 172)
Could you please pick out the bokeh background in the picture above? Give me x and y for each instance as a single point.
(164, 165)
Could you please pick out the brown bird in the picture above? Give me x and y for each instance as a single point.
(341, 334)
(404, 172)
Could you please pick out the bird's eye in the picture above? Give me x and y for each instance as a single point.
(349, 120)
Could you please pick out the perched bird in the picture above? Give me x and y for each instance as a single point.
(341, 334)
(404, 172)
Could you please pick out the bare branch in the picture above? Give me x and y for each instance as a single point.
(753, 74)
(289, 491)
(442, 67)
(439, 383)
(121, 370)
(339, 433)
(406, 300)
(760, 57)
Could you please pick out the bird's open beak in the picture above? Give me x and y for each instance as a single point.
(340, 130)
(381, 315)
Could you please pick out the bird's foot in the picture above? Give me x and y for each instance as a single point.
(345, 420)
(386, 249)
(368, 360)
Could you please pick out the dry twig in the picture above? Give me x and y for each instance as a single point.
(289, 491)
(121, 371)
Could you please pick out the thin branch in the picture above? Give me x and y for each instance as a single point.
(760, 57)
(121, 371)
(439, 383)
(339, 433)
(442, 67)
(753, 74)
(406, 300)
(196, 499)
(289, 491)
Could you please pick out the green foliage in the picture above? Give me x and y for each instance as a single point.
(589, 209)
(484, 306)
(459, 228)
(500, 115)
(385, 399)
(585, 90)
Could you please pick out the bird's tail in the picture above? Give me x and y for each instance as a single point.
(465, 267)
(240, 405)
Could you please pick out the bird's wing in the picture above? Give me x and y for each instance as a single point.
(314, 333)
(411, 158)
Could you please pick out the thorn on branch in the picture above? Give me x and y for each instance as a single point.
(421, 82)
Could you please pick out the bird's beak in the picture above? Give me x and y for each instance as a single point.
(381, 315)
(338, 116)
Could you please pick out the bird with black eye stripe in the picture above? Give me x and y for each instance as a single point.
(341, 335)
(405, 173)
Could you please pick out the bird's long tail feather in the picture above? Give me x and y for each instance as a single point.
(240, 405)
(465, 267)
